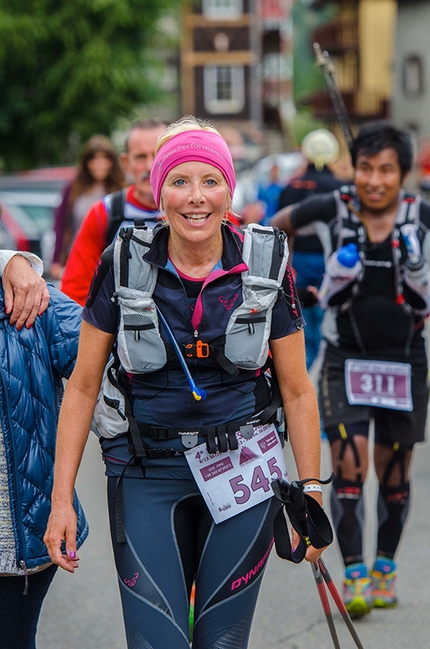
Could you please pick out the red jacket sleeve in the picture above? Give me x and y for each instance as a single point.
(85, 253)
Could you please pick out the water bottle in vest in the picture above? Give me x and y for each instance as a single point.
(414, 259)
(342, 268)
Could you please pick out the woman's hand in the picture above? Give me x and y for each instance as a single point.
(62, 527)
(312, 554)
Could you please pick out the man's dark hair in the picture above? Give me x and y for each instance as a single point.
(374, 138)
(143, 125)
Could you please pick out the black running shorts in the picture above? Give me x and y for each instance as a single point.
(391, 426)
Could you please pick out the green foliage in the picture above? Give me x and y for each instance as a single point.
(72, 68)
(304, 122)
(308, 77)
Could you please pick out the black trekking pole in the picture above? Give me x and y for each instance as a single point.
(324, 62)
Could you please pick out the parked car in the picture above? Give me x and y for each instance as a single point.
(248, 181)
(29, 199)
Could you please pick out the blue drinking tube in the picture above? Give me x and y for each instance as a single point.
(197, 394)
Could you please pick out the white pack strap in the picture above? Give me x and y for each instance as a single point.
(409, 209)
(265, 252)
(418, 278)
(348, 223)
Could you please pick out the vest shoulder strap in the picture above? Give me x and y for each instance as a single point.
(409, 210)
(130, 270)
(265, 252)
(115, 214)
(348, 223)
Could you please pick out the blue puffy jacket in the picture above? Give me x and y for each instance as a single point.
(32, 365)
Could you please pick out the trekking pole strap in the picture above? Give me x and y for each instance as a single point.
(306, 516)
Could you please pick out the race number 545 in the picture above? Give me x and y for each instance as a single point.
(242, 491)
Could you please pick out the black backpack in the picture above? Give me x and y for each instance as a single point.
(115, 215)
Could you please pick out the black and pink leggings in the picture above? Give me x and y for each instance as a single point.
(172, 541)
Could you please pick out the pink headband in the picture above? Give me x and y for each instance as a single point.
(192, 146)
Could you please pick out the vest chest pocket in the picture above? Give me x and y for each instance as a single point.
(140, 347)
(246, 342)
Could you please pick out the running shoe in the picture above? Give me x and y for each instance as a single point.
(384, 577)
(357, 596)
(357, 590)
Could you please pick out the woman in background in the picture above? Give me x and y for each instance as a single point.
(99, 172)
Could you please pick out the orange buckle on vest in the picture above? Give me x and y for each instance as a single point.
(199, 350)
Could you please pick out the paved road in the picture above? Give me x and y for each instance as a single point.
(82, 611)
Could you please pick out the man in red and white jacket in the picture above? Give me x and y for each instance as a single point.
(137, 204)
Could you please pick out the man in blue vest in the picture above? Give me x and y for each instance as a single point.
(376, 294)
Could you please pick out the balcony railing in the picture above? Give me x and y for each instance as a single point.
(337, 36)
(360, 105)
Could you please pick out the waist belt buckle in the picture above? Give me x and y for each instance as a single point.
(197, 350)
(247, 431)
(189, 439)
(202, 349)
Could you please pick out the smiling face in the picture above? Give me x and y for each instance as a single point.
(195, 198)
(378, 180)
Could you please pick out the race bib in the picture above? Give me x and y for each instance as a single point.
(237, 480)
(378, 383)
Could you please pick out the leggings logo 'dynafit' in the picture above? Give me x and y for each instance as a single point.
(252, 573)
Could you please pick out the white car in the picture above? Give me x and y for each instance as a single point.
(28, 201)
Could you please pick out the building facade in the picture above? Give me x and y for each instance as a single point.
(411, 95)
(360, 40)
(235, 65)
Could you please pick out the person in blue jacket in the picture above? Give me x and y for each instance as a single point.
(33, 361)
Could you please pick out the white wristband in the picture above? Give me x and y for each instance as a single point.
(312, 487)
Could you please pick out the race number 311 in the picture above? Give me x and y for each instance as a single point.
(378, 383)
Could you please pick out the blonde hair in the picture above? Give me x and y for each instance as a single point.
(188, 123)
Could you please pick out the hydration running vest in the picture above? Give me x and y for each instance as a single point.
(140, 347)
(349, 228)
